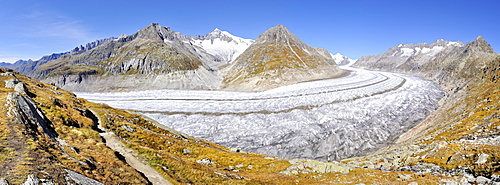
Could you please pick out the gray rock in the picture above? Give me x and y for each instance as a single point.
(20, 87)
(186, 151)
(11, 83)
(205, 161)
(25, 111)
(482, 180)
(4, 182)
(483, 158)
(128, 128)
(81, 179)
(32, 180)
(7, 74)
(405, 177)
(449, 182)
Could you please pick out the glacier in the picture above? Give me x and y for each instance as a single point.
(326, 120)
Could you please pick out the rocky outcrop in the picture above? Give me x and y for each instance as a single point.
(277, 58)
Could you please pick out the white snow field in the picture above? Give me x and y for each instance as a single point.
(324, 120)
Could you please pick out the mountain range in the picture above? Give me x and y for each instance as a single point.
(157, 57)
(51, 136)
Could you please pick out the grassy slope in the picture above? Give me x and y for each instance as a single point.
(32, 152)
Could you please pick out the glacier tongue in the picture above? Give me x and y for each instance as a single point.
(325, 120)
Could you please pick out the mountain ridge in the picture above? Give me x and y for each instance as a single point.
(469, 75)
(157, 57)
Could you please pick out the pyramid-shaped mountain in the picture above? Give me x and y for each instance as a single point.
(277, 58)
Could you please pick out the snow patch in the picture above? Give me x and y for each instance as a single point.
(407, 52)
(432, 51)
(454, 44)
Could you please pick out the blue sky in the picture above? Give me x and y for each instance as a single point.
(355, 28)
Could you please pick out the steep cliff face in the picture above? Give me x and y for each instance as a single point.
(278, 58)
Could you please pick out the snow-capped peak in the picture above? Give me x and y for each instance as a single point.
(430, 50)
(342, 60)
(222, 44)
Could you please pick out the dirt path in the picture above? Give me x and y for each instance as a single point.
(130, 156)
(152, 175)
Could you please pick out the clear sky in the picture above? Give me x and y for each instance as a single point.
(30, 29)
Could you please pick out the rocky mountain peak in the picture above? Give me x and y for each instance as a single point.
(480, 43)
(216, 30)
(278, 58)
(278, 34)
(218, 34)
(154, 31)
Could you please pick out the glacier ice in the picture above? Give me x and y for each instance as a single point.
(325, 120)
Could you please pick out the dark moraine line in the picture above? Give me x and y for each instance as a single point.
(304, 107)
(256, 99)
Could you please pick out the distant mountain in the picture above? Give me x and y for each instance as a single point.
(342, 60)
(155, 57)
(408, 55)
(26, 66)
(277, 58)
(221, 44)
(444, 62)
(5, 64)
